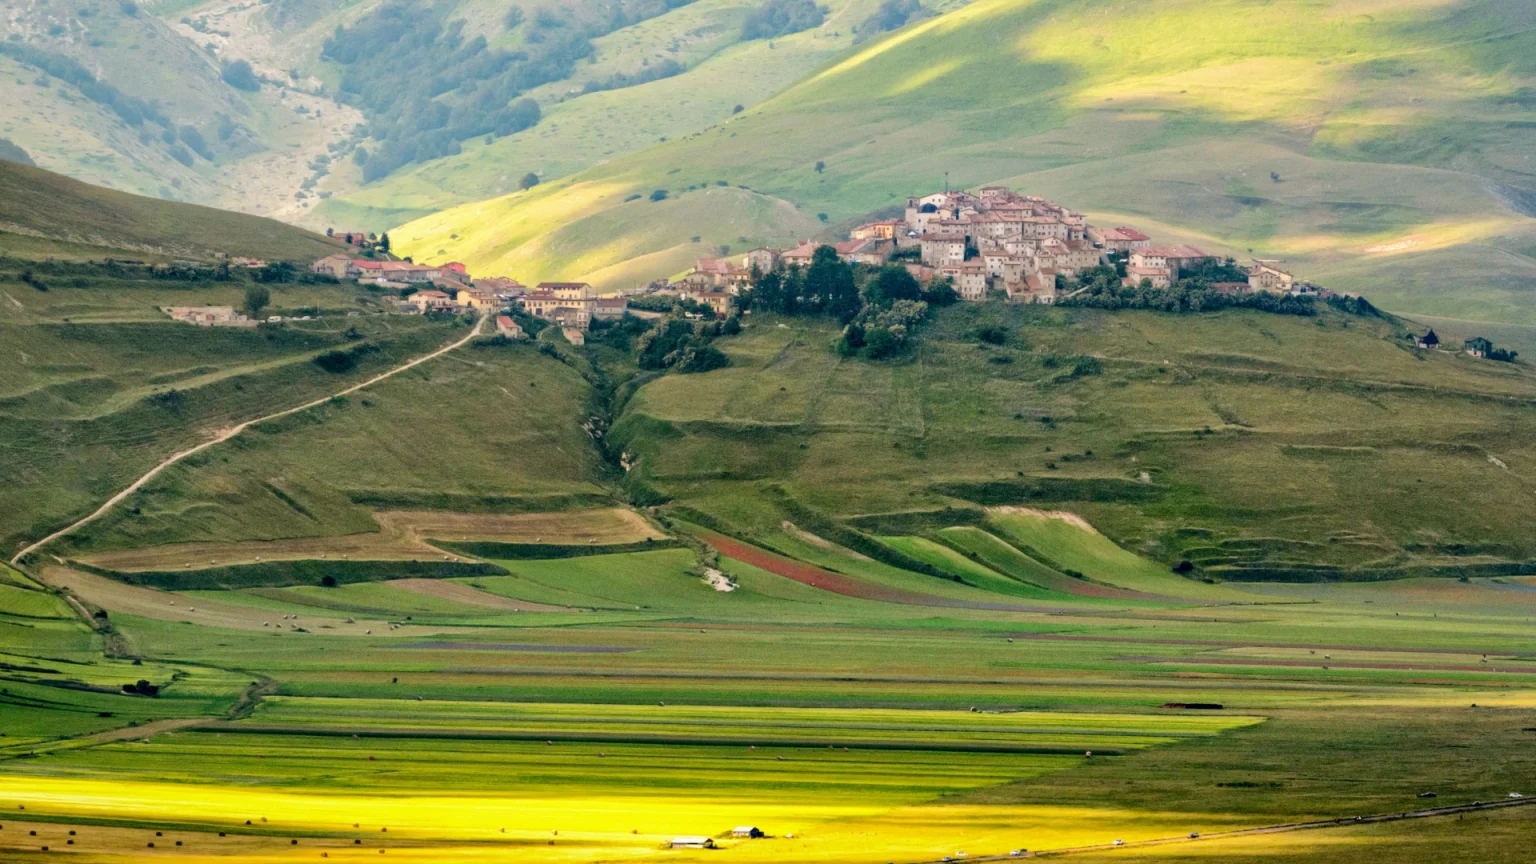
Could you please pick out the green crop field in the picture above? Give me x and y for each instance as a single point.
(1394, 131)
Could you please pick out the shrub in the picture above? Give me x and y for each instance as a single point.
(239, 75)
(659, 195)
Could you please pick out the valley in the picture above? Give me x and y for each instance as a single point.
(686, 445)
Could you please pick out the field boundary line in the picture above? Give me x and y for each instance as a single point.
(1341, 822)
(233, 431)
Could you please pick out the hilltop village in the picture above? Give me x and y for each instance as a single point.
(998, 242)
(994, 244)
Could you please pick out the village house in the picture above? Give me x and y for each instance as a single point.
(477, 297)
(762, 258)
(718, 301)
(1161, 264)
(339, 266)
(504, 288)
(505, 326)
(800, 256)
(942, 251)
(873, 252)
(710, 273)
(969, 277)
(574, 335)
(430, 300)
(885, 229)
(571, 304)
(351, 238)
(1118, 239)
(1266, 276)
(1477, 346)
(208, 316)
(1038, 287)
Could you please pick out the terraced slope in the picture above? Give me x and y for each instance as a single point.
(1379, 146)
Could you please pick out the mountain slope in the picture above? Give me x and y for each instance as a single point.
(1396, 131)
(42, 213)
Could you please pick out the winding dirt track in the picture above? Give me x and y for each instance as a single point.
(231, 432)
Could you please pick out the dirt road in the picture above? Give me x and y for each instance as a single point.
(231, 432)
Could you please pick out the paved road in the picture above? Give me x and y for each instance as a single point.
(231, 432)
(1268, 829)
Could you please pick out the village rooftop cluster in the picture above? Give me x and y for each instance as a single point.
(995, 240)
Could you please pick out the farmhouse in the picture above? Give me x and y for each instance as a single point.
(692, 843)
(1477, 346)
(1429, 341)
(747, 832)
(208, 316)
(505, 326)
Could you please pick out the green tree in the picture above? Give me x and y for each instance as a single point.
(659, 195)
(257, 298)
(528, 180)
(892, 283)
(384, 242)
(829, 285)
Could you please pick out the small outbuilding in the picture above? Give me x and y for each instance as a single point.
(692, 843)
(750, 832)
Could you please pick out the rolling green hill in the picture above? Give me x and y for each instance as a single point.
(1379, 146)
(46, 214)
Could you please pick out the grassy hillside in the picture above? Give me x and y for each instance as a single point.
(1255, 446)
(42, 213)
(1395, 132)
(583, 130)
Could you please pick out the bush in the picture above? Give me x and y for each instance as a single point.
(702, 359)
(239, 75)
(659, 195)
(780, 18)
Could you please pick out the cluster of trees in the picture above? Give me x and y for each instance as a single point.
(618, 81)
(880, 309)
(782, 17)
(826, 287)
(683, 345)
(892, 15)
(1100, 288)
(426, 88)
(240, 76)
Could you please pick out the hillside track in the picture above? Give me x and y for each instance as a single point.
(848, 586)
(231, 432)
(1342, 822)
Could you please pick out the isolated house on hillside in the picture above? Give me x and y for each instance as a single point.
(1429, 341)
(1477, 346)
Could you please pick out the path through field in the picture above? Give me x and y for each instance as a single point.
(231, 432)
